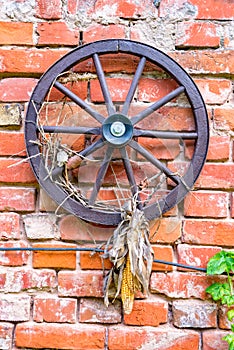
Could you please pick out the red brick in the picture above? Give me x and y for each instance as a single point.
(73, 229)
(72, 6)
(49, 9)
(60, 336)
(100, 32)
(223, 118)
(197, 34)
(232, 205)
(79, 88)
(224, 323)
(50, 309)
(209, 232)
(12, 143)
(94, 311)
(56, 33)
(125, 8)
(16, 33)
(151, 90)
(205, 61)
(14, 308)
(214, 91)
(213, 340)
(194, 314)
(10, 226)
(148, 312)
(28, 60)
(22, 279)
(91, 261)
(214, 9)
(206, 204)
(216, 176)
(162, 253)
(181, 285)
(17, 199)
(161, 149)
(13, 170)
(16, 89)
(195, 255)
(80, 284)
(54, 259)
(6, 335)
(118, 88)
(167, 230)
(14, 258)
(163, 338)
(218, 148)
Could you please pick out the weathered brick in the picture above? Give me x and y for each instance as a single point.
(17, 199)
(205, 61)
(214, 91)
(49, 9)
(197, 256)
(40, 226)
(50, 309)
(60, 336)
(218, 148)
(148, 312)
(14, 170)
(232, 205)
(118, 88)
(73, 229)
(181, 285)
(166, 230)
(216, 176)
(12, 143)
(161, 149)
(100, 32)
(194, 314)
(213, 340)
(224, 323)
(6, 335)
(21, 279)
(209, 232)
(10, 226)
(16, 89)
(94, 311)
(197, 34)
(10, 114)
(214, 9)
(223, 118)
(28, 60)
(151, 90)
(16, 33)
(162, 253)
(89, 260)
(160, 338)
(54, 259)
(206, 204)
(14, 308)
(56, 33)
(79, 88)
(14, 258)
(80, 284)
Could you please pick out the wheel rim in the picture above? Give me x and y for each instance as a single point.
(118, 130)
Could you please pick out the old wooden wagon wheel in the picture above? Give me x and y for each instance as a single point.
(91, 159)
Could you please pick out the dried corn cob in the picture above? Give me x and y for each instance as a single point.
(127, 288)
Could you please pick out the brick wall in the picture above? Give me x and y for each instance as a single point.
(53, 300)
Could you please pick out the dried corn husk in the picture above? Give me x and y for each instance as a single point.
(130, 252)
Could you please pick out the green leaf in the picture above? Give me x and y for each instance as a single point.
(230, 314)
(220, 263)
(230, 340)
(232, 327)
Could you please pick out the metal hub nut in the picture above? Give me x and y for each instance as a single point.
(117, 129)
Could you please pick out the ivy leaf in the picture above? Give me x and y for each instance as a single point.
(230, 314)
(219, 291)
(230, 340)
(220, 263)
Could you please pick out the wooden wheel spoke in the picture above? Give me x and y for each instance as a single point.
(133, 86)
(165, 134)
(100, 176)
(71, 130)
(101, 77)
(92, 148)
(164, 100)
(147, 155)
(79, 101)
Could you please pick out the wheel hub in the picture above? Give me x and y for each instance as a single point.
(117, 130)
